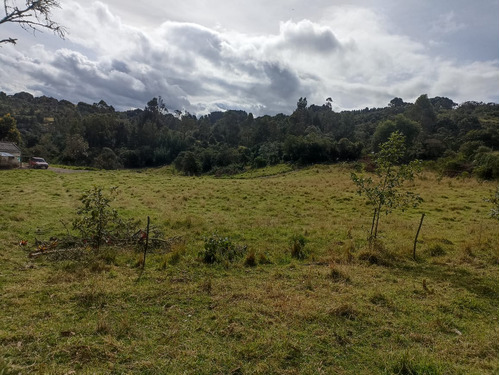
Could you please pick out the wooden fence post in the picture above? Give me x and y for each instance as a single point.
(416, 237)
(146, 246)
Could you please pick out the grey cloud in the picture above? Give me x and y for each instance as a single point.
(201, 69)
(120, 66)
(307, 36)
(283, 82)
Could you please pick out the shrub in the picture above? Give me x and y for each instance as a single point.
(486, 166)
(218, 249)
(187, 163)
(97, 222)
(259, 162)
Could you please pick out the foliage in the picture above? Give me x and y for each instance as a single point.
(218, 249)
(107, 159)
(76, 150)
(385, 194)
(228, 142)
(186, 163)
(8, 129)
(410, 129)
(486, 165)
(97, 222)
(493, 200)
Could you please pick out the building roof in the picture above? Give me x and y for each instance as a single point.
(10, 148)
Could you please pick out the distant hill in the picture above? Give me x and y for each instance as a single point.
(460, 138)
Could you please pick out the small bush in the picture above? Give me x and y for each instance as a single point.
(219, 249)
(297, 247)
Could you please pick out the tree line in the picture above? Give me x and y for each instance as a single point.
(455, 139)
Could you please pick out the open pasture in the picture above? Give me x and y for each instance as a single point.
(345, 309)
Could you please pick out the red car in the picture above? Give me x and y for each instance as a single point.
(38, 163)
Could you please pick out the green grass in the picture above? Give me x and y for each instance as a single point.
(333, 313)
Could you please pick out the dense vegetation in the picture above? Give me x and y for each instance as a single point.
(463, 139)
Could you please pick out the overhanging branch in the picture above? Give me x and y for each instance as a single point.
(35, 17)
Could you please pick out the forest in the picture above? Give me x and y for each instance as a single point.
(454, 139)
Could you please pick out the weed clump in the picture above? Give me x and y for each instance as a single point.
(218, 249)
(376, 254)
(408, 366)
(297, 247)
(436, 250)
(380, 299)
(250, 260)
(338, 275)
(263, 259)
(174, 257)
(345, 311)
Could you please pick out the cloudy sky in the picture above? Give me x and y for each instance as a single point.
(258, 55)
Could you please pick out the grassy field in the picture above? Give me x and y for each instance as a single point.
(345, 309)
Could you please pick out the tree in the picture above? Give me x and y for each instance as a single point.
(107, 159)
(75, 150)
(8, 129)
(410, 129)
(396, 102)
(34, 16)
(302, 103)
(385, 194)
(423, 112)
(187, 163)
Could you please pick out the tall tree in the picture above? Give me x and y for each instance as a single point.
(8, 129)
(423, 112)
(34, 16)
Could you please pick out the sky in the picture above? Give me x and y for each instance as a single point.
(260, 56)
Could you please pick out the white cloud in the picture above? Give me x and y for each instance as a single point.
(349, 53)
